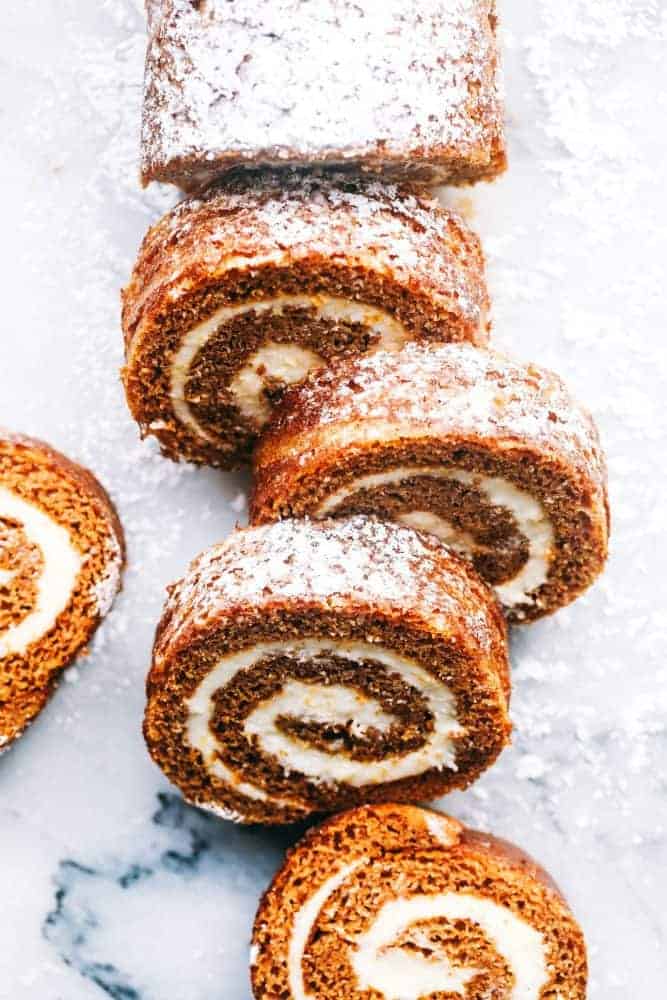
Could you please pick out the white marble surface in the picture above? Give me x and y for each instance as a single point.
(108, 885)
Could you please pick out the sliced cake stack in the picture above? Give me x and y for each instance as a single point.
(311, 307)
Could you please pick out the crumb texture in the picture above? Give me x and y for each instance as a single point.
(393, 901)
(381, 86)
(61, 555)
(307, 666)
(240, 292)
(493, 456)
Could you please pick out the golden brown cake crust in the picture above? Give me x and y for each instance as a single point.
(342, 598)
(376, 88)
(447, 407)
(77, 473)
(260, 238)
(36, 474)
(324, 905)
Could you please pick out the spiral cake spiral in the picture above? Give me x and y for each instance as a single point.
(393, 902)
(306, 666)
(494, 457)
(61, 553)
(243, 290)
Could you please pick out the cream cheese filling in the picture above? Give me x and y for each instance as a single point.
(326, 704)
(532, 521)
(55, 585)
(399, 974)
(440, 828)
(303, 924)
(274, 362)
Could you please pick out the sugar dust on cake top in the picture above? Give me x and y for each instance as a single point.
(408, 89)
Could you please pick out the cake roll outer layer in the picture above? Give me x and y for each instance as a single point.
(398, 88)
(61, 556)
(241, 292)
(493, 456)
(306, 666)
(401, 903)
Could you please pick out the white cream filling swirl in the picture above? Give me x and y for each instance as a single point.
(56, 581)
(400, 974)
(274, 362)
(326, 704)
(405, 975)
(531, 518)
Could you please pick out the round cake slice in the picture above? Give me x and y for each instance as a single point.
(393, 902)
(244, 289)
(493, 456)
(303, 667)
(61, 556)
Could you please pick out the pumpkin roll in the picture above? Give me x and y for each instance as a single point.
(242, 291)
(491, 455)
(61, 555)
(306, 666)
(393, 902)
(395, 88)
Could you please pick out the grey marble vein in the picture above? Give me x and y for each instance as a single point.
(106, 890)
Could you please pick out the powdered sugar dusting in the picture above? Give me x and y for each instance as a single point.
(332, 565)
(575, 236)
(271, 81)
(279, 219)
(455, 388)
(108, 585)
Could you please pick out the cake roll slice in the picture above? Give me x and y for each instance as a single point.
(244, 290)
(303, 667)
(61, 555)
(399, 903)
(492, 456)
(388, 87)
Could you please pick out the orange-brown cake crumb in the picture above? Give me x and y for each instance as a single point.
(242, 291)
(61, 555)
(394, 901)
(493, 456)
(308, 666)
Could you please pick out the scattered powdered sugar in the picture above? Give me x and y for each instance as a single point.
(575, 237)
(457, 388)
(108, 585)
(335, 80)
(80, 228)
(239, 503)
(332, 565)
(396, 229)
(531, 768)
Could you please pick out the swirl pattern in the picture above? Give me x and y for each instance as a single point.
(55, 576)
(274, 365)
(493, 457)
(517, 555)
(397, 956)
(241, 292)
(289, 679)
(61, 555)
(398, 903)
(326, 732)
